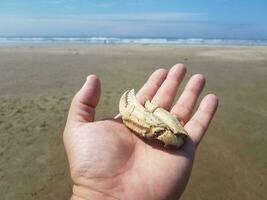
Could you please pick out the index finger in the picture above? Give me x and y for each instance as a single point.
(152, 85)
(149, 89)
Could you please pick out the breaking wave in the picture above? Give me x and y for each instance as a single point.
(116, 40)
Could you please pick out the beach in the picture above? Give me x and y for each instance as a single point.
(37, 83)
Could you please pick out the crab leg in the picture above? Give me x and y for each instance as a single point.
(166, 117)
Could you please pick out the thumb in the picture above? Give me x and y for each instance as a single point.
(85, 101)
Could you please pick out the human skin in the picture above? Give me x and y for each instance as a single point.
(108, 161)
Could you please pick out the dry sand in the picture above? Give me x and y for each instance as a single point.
(37, 84)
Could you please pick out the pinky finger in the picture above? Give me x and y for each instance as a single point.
(199, 123)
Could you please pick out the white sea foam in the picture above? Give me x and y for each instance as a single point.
(114, 40)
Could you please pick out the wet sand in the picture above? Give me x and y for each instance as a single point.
(37, 84)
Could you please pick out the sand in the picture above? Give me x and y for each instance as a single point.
(38, 82)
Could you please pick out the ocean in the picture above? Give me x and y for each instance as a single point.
(125, 40)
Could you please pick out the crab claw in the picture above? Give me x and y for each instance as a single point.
(171, 140)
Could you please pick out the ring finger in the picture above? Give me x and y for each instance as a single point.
(184, 107)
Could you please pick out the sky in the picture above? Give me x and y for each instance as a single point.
(227, 19)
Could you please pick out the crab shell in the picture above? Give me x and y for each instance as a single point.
(151, 121)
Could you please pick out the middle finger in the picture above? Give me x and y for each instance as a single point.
(167, 91)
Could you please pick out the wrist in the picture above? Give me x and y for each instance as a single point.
(82, 193)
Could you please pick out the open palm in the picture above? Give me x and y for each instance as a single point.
(108, 161)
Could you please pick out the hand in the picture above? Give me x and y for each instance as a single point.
(108, 161)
